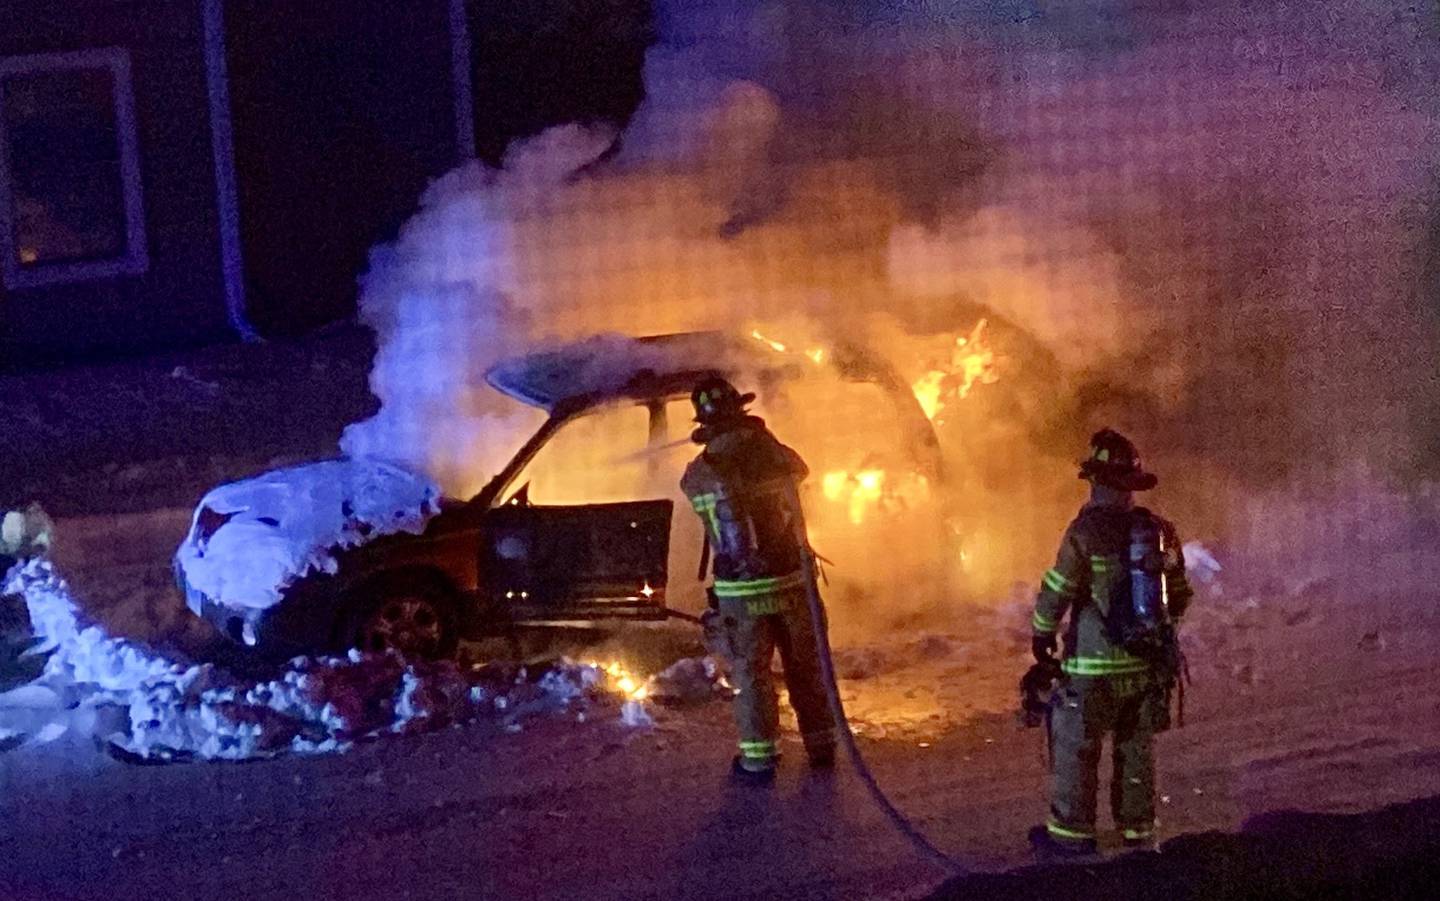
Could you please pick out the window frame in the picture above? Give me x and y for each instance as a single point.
(135, 259)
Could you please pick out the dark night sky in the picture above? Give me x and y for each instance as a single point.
(342, 118)
(548, 62)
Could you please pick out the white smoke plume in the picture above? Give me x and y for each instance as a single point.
(1201, 224)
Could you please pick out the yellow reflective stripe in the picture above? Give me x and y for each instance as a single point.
(1060, 831)
(757, 750)
(1103, 666)
(1042, 623)
(704, 505)
(1137, 834)
(750, 587)
(1104, 564)
(1056, 582)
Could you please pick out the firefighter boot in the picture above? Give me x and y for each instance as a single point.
(1047, 844)
(741, 772)
(821, 758)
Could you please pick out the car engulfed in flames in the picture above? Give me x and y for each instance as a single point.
(871, 488)
(362, 554)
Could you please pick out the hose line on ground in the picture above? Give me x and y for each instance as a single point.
(897, 818)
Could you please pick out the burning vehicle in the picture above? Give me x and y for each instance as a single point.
(357, 553)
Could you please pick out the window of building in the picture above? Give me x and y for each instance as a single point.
(70, 205)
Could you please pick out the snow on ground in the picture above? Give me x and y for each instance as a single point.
(159, 432)
(251, 539)
(147, 705)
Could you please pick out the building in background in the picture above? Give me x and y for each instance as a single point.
(174, 172)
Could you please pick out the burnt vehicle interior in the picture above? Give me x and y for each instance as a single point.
(547, 562)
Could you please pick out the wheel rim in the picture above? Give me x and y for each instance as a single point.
(410, 624)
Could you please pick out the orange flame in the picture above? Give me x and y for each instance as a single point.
(972, 362)
(634, 687)
(867, 490)
(773, 344)
(816, 354)
(861, 490)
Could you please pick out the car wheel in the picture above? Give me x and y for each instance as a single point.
(412, 616)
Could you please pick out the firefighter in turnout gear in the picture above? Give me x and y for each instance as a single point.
(1120, 579)
(744, 488)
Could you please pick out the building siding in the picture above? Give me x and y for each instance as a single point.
(343, 112)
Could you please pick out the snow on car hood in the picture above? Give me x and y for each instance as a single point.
(250, 539)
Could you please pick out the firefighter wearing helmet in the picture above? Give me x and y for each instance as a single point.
(1119, 587)
(744, 487)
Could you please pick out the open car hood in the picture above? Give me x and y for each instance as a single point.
(614, 367)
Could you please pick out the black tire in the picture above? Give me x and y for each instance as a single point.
(413, 613)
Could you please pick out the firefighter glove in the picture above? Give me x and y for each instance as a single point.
(1044, 647)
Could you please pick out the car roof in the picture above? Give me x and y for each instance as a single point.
(607, 368)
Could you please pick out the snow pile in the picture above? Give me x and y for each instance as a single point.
(80, 653)
(315, 705)
(251, 539)
(147, 706)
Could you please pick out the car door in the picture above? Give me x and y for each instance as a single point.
(576, 562)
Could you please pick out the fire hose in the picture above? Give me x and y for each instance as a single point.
(902, 823)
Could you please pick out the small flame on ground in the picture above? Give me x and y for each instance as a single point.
(633, 686)
(972, 362)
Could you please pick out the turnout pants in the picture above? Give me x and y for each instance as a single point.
(753, 637)
(1082, 714)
